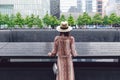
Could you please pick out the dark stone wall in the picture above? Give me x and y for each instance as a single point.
(42, 72)
(33, 36)
(5, 35)
(47, 74)
(81, 35)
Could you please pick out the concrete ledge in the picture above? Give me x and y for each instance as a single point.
(42, 48)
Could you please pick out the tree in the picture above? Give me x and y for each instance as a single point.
(113, 18)
(19, 20)
(105, 20)
(62, 18)
(31, 20)
(53, 21)
(38, 21)
(118, 20)
(46, 20)
(79, 20)
(11, 21)
(26, 20)
(97, 19)
(1, 19)
(71, 20)
(86, 19)
(5, 19)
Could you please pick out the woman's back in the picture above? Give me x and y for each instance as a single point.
(64, 46)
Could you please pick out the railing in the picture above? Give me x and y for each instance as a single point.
(53, 59)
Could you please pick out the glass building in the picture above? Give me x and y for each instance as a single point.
(117, 1)
(65, 5)
(25, 7)
(55, 8)
(99, 6)
(79, 5)
(88, 6)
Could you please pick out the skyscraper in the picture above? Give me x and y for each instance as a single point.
(65, 5)
(99, 6)
(28, 7)
(79, 5)
(88, 6)
(113, 7)
(117, 1)
(55, 8)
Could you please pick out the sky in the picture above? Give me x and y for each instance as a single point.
(72, 2)
(65, 4)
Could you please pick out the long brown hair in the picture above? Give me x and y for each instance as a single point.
(65, 34)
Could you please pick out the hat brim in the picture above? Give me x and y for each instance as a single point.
(64, 30)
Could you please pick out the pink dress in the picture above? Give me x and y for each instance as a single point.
(64, 47)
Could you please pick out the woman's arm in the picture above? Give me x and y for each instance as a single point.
(55, 47)
(73, 50)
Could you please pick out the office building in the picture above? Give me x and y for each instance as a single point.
(28, 7)
(99, 6)
(113, 6)
(79, 5)
(55, 8)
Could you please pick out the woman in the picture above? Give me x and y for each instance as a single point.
(64, 47)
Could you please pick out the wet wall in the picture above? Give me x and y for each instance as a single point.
(81, 35)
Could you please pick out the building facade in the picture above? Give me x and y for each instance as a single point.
(88, 6)
(55, 8)
(79, 6)
(100, 7)
(76, 7)
(113, 6)
(28, 7)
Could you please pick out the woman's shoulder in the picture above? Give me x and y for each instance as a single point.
(59, 37)
(71, 37)
(56, 38)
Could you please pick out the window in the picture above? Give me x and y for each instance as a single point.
(100, 10)
(117, 1)
(99, 6)
(6, 9)
(99, 2)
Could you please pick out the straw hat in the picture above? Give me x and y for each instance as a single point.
(64, 27)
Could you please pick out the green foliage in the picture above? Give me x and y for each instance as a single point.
(11, 22)
(46, 19)
(113, 18)
(86, 19)
(1, 19)
(53, 21)
(105, 20)
(19, 20)
(62, 18)
(118, 20)
(71, 20)
(79, 20)
(97, 19)
(27, 20)
(38, 22)
(30, 20)
(5, 19)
